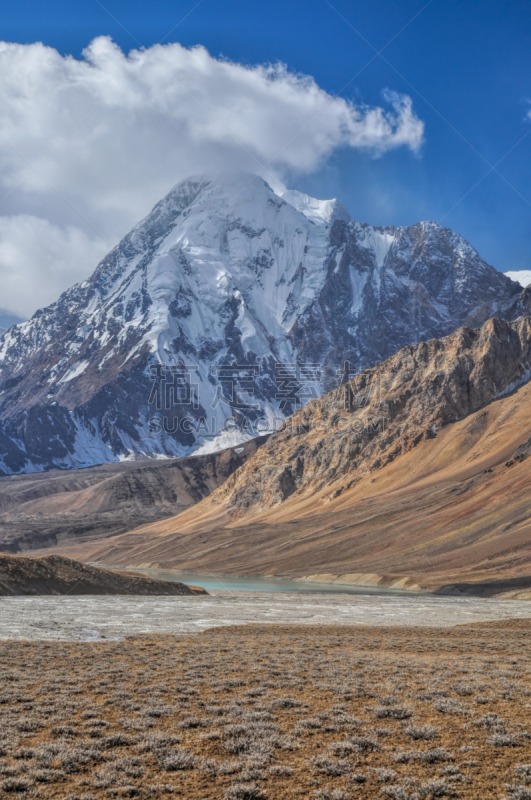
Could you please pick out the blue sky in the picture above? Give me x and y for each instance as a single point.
(466, 66)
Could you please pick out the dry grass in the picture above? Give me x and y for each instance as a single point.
(263, 712)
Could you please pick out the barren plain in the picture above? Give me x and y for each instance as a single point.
(276, 712)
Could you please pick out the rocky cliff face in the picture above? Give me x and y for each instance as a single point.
(384, 412)
(219, 314)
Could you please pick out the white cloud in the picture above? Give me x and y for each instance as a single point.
(34, 250)
(122, 129)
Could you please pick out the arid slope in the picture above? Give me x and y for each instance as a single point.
(422, 473)
(45, 509)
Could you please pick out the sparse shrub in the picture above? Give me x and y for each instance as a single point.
(450, 769)
(84, 796)
(280, 770)
(208, 765)
(15, 785)
(384, 775)
(342, 748)
(436, 787)
(421, 732)
(518, 793)
(464, 689)
(490, 721)
(27, 725)
(286, 702)
(24, 753)
(195, 722)
(501, 740)
(128, 791)
(155, 742)
(48, 775)
(523, 771)
(118, 740)
(237, 745)
(231, 731)
(309, 724)
(244, 791)
(229, 767)
(179, 759)
(363, 743)
(392, 712)
(346, 722)
(399, 792)
(132, 767)
(252, 773)
(331, 766)
(424, 757)
(448, 706)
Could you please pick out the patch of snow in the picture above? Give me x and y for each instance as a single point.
(379, 241)
(317, 211)
(358, 281)
(521, 276)
(223, 440)
(525, 378)
(74, 372)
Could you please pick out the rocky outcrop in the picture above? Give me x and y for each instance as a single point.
(58, 575)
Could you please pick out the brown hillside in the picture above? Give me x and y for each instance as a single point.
(54, 574)
(50, 508)
(424, 474)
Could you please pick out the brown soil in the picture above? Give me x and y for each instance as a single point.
(59, 575)
(271, 712)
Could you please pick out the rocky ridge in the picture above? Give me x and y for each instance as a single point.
(384, 412)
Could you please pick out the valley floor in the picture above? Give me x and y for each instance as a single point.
(86, 618)
(271, 711)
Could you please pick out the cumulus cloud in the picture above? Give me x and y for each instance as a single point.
(32, 248)
(111, 133)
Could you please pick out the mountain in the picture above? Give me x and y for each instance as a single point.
(416, 473)
(218, 315)
(44, 509)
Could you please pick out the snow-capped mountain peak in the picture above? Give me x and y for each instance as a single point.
(222, 311)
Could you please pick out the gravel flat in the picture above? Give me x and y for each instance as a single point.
(96, 618)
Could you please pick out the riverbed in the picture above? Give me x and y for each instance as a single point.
(100, 618)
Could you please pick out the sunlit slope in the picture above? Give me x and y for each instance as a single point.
(423, 496)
